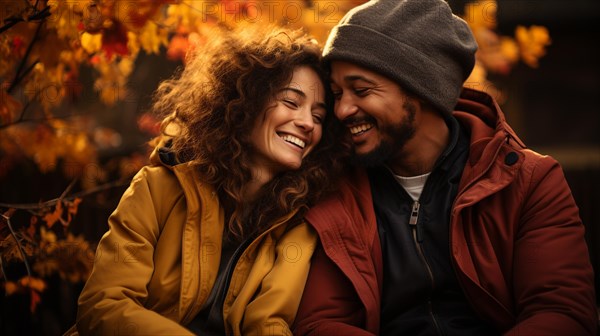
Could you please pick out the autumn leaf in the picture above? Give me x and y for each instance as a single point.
(52, 217)
(149, 124)
(34, 300)
(32, 226)
(136, 17)
(510, 49)
(532, 42)
(9, 107)
(34, 283)
(72, 258)
(47, 238)
(72, 209)
(152, 37)
(10, 287)
(34, 286)
(114, 41)
(91, 43)
(177, 48)
(10, 250)
(4, 229)
(94, 17)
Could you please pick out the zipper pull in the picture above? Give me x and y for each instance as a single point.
(414, 217)
(414, 214)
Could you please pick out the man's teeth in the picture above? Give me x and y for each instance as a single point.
(360, 128)
(292, 139)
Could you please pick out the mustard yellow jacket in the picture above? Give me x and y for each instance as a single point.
(157, 264)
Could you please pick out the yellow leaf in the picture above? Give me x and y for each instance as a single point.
(481, 14)
(47, 237)
(152, 37)
(91, 43)
(532, 42)
(510, 49)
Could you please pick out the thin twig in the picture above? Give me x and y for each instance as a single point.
(36, 206)
(2, 270)
(43, 119)
(13, 20)
(29, 5)
(12, 232)
(69, 187)
(26, 71)
(18, 76)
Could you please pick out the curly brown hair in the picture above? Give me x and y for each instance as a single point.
(214, 102)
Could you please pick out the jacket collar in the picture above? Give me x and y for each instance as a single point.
(487, 171)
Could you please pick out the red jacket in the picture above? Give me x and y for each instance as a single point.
(516, 239)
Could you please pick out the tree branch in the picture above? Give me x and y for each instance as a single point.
(18, 76)
(37, 15)
(37, 206)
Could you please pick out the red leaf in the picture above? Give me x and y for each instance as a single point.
(35, 300)
(114, 41)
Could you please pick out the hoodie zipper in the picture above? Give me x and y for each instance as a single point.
(417, 235)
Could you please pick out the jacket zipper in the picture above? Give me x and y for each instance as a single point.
(417, 235)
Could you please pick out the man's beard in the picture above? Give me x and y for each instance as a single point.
(393, 140)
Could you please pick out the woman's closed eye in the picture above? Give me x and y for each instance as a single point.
(290, 103)
(317, 118)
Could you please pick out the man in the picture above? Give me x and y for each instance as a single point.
(449, 225)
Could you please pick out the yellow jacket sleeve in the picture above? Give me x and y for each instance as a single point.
(273, 310)
(112, 301)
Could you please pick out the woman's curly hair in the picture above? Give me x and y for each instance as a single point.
(224, 87)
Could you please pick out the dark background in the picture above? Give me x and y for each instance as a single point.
(554, 108)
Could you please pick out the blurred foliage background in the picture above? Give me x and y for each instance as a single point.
(76, 82)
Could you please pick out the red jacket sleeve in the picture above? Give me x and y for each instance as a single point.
(553, 277)
(330, 305)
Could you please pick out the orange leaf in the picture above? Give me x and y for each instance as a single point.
(177, 48)
(73, 205)
(33, 283)
(51, 217)
(10, 287)
(72, 209)
(8, 107)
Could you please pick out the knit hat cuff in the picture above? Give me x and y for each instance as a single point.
(438, 85)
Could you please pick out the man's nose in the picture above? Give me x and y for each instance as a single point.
(345, 107)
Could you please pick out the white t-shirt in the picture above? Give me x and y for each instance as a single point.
(412, 184)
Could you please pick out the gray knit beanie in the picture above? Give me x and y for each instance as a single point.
(420, 44)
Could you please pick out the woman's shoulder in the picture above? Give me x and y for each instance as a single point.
(156, 175)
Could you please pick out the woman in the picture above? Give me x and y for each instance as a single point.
(209, 238)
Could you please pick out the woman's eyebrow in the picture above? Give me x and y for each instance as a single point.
(298, 91)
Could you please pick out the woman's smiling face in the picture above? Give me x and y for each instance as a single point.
(291, 126)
